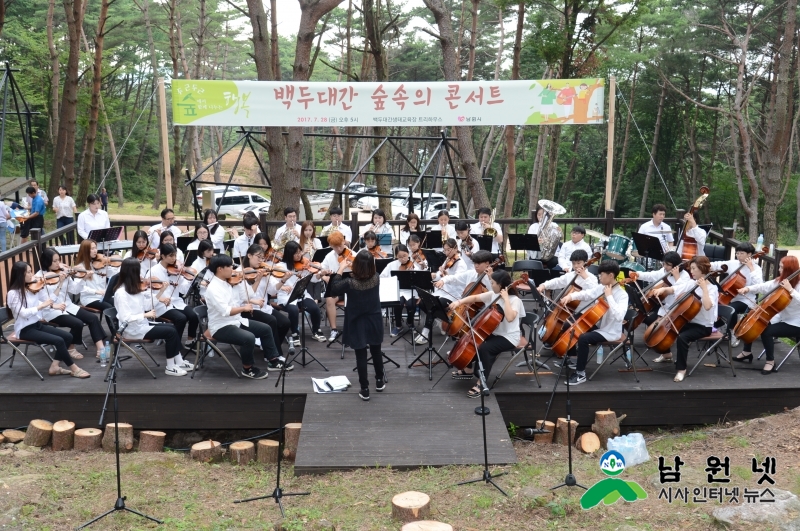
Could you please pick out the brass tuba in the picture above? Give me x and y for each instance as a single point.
(550, 234)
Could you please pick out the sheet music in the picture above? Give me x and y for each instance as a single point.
(333, 384)
(389, 289)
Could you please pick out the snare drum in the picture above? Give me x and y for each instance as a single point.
(627, 267)
(617, 248)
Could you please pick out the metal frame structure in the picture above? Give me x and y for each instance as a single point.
(443, 148)
(10, 87)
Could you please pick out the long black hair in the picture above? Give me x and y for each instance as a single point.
(48, 256)
(205, 245)
(136, 236)
(504, 279)
(263, 236)
(16, 281)
(253, 249)
(167, 249)
(130, 276)
(288, 254)
(207, 213)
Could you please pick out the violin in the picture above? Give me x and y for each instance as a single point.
(347, 254)
(419, 257)
(729, 288)
(273, 255)
(305, 264)
(485, 323)
(460, 317)
(554, 324)
(187, 272)
(153, 283)
(101, 261)
(756, 321)
(377, 253)
(689, 249)
(236, 278)
(35, 286)
(270, 270)
(408, 265)
(147, 254)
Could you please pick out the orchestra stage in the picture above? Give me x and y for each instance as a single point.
(413, 423)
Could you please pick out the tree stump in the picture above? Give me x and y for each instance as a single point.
(606, 425)
(13, 436)
(291, 436)
(544, 438)
(267, 451)
(207, 451)
(63, 435)
(39, 433)
(242, 452)
(561, 432)
(125, 437)
(427, 525)
(151, 441)
(588, 443)
(410, 506)
(88, 439)
(2, 439)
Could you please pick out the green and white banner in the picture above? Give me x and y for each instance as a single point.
(441, 103)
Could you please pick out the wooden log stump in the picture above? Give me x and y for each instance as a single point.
(291, 436)
(427, 525)
(207, 451)
(2, 439)
(267, 451)
(588, 443)
(63, 435)
(88, 439)
(544, 438)
(606, 425)
(242, 452)
(410, 506)
(151, 441)
(561, 432)
(13, 436)
(39, 433)
(125, 437)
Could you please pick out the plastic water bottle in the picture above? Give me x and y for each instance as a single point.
(760, 242)
(632, 447)
(104, 354)
(600, 355)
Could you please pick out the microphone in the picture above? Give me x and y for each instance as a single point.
(530, 432)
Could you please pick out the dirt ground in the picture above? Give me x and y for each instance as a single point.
(49, 490)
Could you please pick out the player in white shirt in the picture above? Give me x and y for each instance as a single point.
(670, 266)
(467, 245)
(167, 224)
(217, 232)
(205, 251)
(331, 263)
(412, 225)
(337, 225)
(242, 243)
(695, 232)
(93, 218)
(786, 323)
(65, 209)
(578, 272)
(167, 237)
(448, 230)
(657, 228)
(402, 262)
(379, 226)
(534, 229)
(141, 250)
(484, 219)
(170, 304)
(567, 248)
(200, 233)
(309, 243)
(456, 266)
(290, 216)
(292, 255)
(95, 282)
(701, 325)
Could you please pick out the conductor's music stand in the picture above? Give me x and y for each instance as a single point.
(101, 236)
(433, 306)
(299, 292)
(648, 247)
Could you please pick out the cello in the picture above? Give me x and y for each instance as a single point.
(689, 249)
(757, 319)
(729, 288)
(460, 317)
(649, 302)
(590, 317)
(483, 326)
(554, 323)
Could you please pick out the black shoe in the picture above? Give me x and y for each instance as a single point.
(765, 372)
(277, 365)
(380, 384)
(255, 373)
(576, 379)
(744, 359)
(364, 394)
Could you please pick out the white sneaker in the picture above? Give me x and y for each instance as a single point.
(422, 337)
(174, 371)
(334, 335)
(186, 366)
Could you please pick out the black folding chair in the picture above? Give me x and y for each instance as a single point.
(796, 344)
(113, 326)
(712, 342)
(206, 341)
(524, 346)
(14, 342)
(621, 346)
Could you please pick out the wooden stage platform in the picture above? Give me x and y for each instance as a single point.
(411, 424)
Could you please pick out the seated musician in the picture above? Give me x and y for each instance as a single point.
(292, 255)
(415, 250)
(696, 232)
(138, 250)
(379, 226)
(754, 275)
(467, 245)
(411, 225)
(701, 325)
(290, 216)
(610, 326)
(584, 280)
(786, 323)
(244, 241)
(169, 239)
(337, 226)
(657, 228)
(448, 230)
(96, 280)
(371, 245)
(576, 243)
(337, 243)
(403, 262)
(452, 266)
(217, 232)
(204, 253)
(505, 336)
(226, 324)
(485, 222)
(170, 304)
(200, 233)
(134, 306)
(534, 229)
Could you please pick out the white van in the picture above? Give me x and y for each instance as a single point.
(234, 202)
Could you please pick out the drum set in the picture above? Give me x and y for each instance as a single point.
(620, 249)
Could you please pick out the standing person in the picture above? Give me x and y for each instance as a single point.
(65, 208)
(485, 222)
(167, 225)
(26, 306)
(337, 226)
(36, 217)
(41, 193)
(402, 262)
(505, 336)
(701, 325)
(292, 254)
(576, 243)
(95, 282)
(412, 225)
(363, 324)
(657, 228)
(170, 304)
(104, 199)
(216, 231)
(92, 218)
(379, 226)
(226, 323)
(5, 215)
(331, 263)
(134, 307)
(786, 323)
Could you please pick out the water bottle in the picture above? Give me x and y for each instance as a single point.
(104, 354)
(760, 242)
(600, 355)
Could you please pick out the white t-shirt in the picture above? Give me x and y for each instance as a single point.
(476, 228)
(64, 207)
(651, 230)
(507, 329)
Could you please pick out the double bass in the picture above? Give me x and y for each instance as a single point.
(757, 319)
(729, 288)
(689, 249)
(590, 317)
(485, 323)
(554, 323)
(461, 316)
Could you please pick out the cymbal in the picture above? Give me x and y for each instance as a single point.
(600, 236)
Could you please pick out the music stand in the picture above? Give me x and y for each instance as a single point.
(381, 263)
(432, 306)
(183, 242)
(227, 246)
(523, 242)
(648, 246)
(191, 256)
(299, 292)
(434, 239)
(101, 236)
(434, 258)
(320, 254)
(406, 280)
(421, 234)
(484, 242)
(324, 241)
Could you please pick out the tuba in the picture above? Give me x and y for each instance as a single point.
(550, 234)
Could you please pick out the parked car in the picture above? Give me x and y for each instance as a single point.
(217, 190)
(435, 208)
(359, 193)
(370, 202)
(233, 202)
(419, 205)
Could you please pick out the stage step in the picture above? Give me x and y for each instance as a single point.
(401, 429)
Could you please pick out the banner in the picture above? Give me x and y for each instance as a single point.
(439, 103)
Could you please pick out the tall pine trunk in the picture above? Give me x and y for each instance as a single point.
(653, 151)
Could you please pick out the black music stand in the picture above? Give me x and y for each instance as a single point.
(381, 263)
(523, 242)
(484, 242)
(434, 239)
(434, 258)
(648, 247)
(320, 254)
(410, 280)
(299, 292)
(324, 241)
(183, 242)
(432, 306)
(101, 236)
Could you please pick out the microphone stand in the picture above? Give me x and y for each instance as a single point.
(119, 505)
(278, 493)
